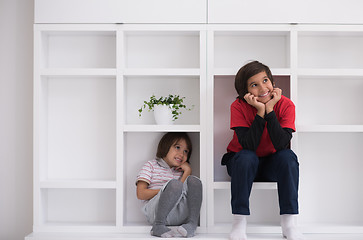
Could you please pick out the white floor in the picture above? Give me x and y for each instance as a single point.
(90, 236)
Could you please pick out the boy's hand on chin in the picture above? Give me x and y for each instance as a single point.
(252, 100)
(276, 96)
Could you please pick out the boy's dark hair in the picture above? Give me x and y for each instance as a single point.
(247, 71)
(169, 139)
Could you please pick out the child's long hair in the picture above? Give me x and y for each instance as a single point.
(169, 139)
(247, 71)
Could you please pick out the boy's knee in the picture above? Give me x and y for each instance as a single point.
(287, 158)
(245, 159)
(286, 153)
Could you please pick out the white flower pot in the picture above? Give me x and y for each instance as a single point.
(163, 115)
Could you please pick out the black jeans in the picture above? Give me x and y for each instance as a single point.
(281, 167)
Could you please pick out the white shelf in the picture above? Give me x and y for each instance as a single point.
(144, 235)
(232, 72)
(77, 184)
(62, 226)
(240, 29)
(252, 228)
(78, 72)
(255, 186)
(162, 128)
(356, 231)
(54, 28)
(214, 236)
(330, 128)
(161, 72)
(329, 72)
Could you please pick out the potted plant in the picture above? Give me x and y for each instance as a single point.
(166, 109)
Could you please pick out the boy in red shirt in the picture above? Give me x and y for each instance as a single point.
(263, 121)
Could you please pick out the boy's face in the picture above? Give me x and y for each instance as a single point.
(260, 86)
(178, 154)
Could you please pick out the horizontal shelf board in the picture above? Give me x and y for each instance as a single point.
(78, 228)
(75, 27)
(319, 72)
(329, 128)
(161, 128)
(78, 184)
(233, 72)
(161, 72)
(215, 236)
(114, 236)
(225, 227)
(78, 72)
(312, 228)
(326, 28)
(256, 185)
(135, 227)
(249, 27)
(332, 228)
(100, 224)
(130, 28)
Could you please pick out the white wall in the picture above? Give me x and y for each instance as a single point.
(16, 93)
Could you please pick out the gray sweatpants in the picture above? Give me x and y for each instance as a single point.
(178, 215)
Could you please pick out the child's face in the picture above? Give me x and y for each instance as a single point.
(178, 154)
(260, 86)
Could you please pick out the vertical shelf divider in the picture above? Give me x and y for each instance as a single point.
(210, 125)
(36, 128)
(203, 120)
(294, 81)
(120, 123)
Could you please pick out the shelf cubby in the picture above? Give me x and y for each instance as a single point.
(224, 95)
(263, 205)
(330, 100)
(162, 49)
(330, 49)
(78, 128)
(331, 165)
(78, 207)
(78, 49)
(139, 148)
(232, 49)
(146, 86)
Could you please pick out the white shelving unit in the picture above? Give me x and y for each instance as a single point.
(75, 128)
(89, 142)
(329, 139)
(320, 69)
(89, 81)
